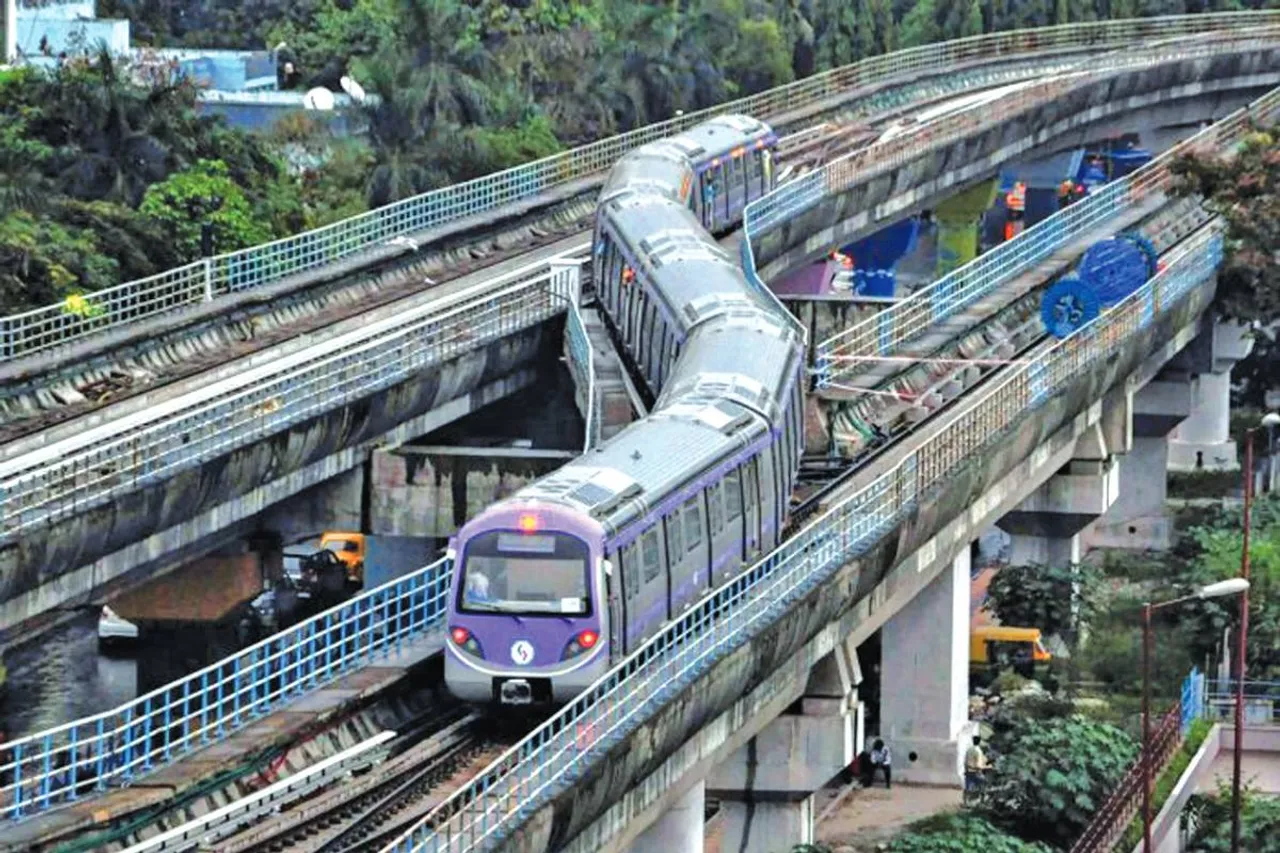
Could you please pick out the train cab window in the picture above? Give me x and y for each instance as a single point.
(675, 542)
(715, 509)
(542, 574)
(693, 524)
(651, 555)
(733, 494)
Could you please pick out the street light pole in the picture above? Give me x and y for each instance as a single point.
(1219, 589)
(1243, 646)
(1146, 727)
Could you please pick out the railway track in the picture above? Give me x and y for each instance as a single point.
(369, 808)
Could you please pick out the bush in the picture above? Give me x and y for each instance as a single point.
(1052, 775)
(1204, 484)
(1211, 816)
(959, 833)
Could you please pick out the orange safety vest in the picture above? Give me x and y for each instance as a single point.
(1064, 188)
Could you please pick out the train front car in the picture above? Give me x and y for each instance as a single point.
(732, 160)
(526, 619)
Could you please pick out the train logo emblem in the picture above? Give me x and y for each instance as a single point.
(522, 652)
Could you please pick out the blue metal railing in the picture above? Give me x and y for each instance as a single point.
(552, 758)
(1192, 704)
(113, 748)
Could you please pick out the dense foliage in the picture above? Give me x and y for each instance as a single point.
(959, 833)
(1053, 774)
(1210, 817)
(1245, 190)
(1055, 599)
(104, 180)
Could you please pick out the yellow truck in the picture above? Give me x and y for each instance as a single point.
(993, 648)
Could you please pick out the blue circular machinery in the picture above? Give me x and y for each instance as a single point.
(1115, 268)
(1068, 304)
(1147, 247)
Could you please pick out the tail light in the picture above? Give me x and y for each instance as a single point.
(463, 639)
(581, 642)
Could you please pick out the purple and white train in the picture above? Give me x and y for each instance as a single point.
(556, 583)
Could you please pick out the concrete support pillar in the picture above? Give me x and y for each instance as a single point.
(959, 221)
(765, 826)
(1203, 441)
(1045, 527)
(766, 788)
(679, 830)
(924, 691)
(1137, 518)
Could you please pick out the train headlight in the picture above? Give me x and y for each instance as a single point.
(463, 639)
(582, 642)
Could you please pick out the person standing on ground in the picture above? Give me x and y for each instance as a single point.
(881, 760)
(975, 764)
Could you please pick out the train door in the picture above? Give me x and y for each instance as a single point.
(697, 546)
(734, 519)
(768, 497)
(614, 595)
(641, 620)
(751, 508)
(672, 525)
(724, 538)
(657, 592)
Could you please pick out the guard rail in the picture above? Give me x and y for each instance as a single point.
(494, 804)
(843, 353)
(204, 280)
(89, 755)
(93, 467)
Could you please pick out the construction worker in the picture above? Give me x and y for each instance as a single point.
(1064, 193)
(1015, 203)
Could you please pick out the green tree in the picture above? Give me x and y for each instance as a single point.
(1052, 775)
(920, 24)
(959, 833)
(1245, 191)
(203, 193)
(1055, 599)
(1210, 817)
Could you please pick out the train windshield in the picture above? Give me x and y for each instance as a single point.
(525, 574)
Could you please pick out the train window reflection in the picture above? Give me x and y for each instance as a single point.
(551, 584)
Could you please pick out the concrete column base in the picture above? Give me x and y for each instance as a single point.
(1044, 550)
(937, 762)
(680, 829)
(1203, 456)
(1137, 519)
(767, 827)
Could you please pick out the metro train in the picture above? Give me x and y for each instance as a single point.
(556, 583)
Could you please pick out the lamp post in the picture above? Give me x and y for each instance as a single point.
(1238, 749)
(1271, 420)
(1220, 589)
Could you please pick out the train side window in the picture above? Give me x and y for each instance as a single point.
(733, 494)
(675, 542)
(692, 523)
(714, 508)
(651, 554)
